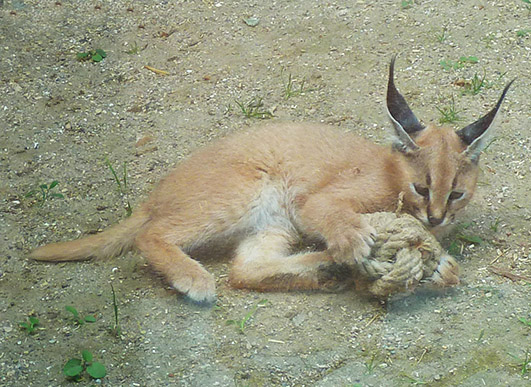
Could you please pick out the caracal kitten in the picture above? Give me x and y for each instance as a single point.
(265, 188)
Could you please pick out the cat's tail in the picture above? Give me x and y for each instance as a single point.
(109, 243)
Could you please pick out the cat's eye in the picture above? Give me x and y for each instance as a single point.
(422, 191)
(455, 195)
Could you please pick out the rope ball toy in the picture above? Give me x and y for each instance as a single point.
(405, 254)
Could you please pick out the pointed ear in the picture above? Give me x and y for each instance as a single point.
(474, 134)
(402, 117)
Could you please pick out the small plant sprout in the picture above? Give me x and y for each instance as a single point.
(413, 381)
(254, 109)
(122, 185)
(449, 114)
(44, 192)
(96, 55)
(240, 324)
(448, 64)
(525, 363)
(475, 85)
(369, 365)
(471, 239)
(29, 325)
(461, 62)
(77, 318)
(405, 4)
(74, 368)
(289, 87)
(495, 225)
(135, 49)
(457, 246)
(116, 328)
(443, 35)
(481, 334)
(524, 321)
(251, 21)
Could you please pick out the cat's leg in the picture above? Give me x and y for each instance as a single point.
(349, 238)
(182, 272)
(263, 262)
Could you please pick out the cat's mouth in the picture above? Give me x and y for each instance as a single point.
(433, 224)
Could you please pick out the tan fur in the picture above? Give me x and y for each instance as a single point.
(114, 241)
(266, 187)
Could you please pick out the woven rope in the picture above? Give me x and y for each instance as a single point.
(405, 254)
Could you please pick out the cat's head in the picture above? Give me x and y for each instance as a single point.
(442, 163)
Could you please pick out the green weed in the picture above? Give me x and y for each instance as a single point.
(290, 90)
(371, 364)
(96, 55)
(448, 64)
(524, 321)
(412, 380)
(471, 239)
(122, 185)
(251, 21)
(254, 109)
(136, 49)
(449, 114)
(442, 36)
(455, 248)
(523, 33)
(44, 192)
(524, 363)
(481, 334)
(476, 84)
(74, 368)
(468, 60)
(240, 324)
(462, 239)
(116, 328)
(494, 226)
(29, 325)
(77, 318)
(461, 62)
(406, 4)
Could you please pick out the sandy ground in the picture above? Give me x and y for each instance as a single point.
(61, 118)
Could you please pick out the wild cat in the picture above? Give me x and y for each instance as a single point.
(267, 187)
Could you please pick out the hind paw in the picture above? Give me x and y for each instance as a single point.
(199, 289)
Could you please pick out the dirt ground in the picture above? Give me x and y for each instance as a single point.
(62, 118)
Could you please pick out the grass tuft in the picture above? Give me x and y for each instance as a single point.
(449, 113)
(254, 109)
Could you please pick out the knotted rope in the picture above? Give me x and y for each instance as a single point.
(405, 254)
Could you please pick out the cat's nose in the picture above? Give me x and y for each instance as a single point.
(434, 221)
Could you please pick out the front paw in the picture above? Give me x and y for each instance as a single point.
(351, 246)
(446, 273)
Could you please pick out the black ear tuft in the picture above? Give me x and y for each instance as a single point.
(401, 116)
(398, 107)
(475, 131)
